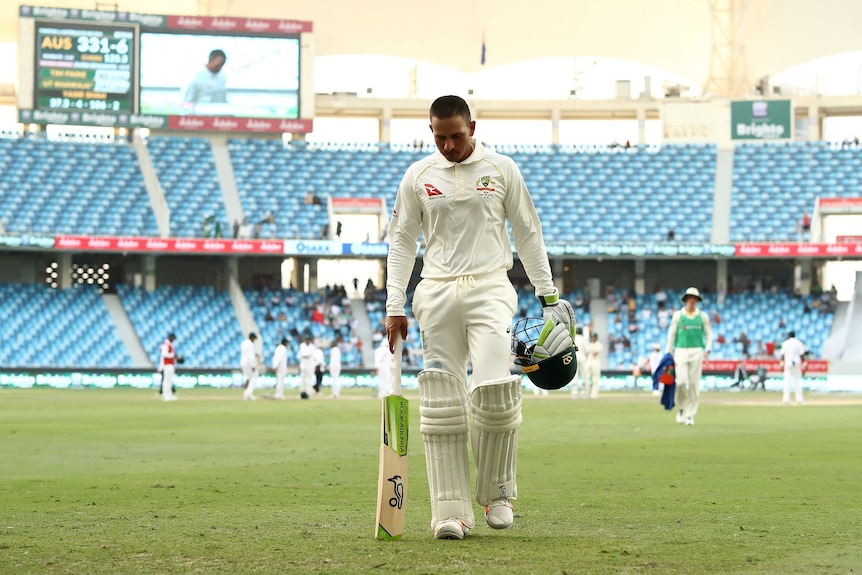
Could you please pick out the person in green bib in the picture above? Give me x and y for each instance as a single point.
(689, 339)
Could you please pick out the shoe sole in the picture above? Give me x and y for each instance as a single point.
(450, 530)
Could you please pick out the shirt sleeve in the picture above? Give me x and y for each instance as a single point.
(404, 226)
(527, 232)
(671, 331)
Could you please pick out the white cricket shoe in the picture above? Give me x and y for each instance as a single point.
(689, 421)
(499, 514)
(450, 529)
(679, 417)
(249, 397)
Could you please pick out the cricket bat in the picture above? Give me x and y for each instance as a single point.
(392, 474)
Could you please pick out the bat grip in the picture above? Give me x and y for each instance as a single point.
(396, 366)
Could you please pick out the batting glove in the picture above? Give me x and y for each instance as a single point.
(559, 311)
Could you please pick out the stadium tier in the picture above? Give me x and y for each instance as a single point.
(203, 319)
(294, 182)
(73, 188)
(763, 318)
(293, 314)
(188, 177)
(44, 327)
(596, 194)
(774, 185)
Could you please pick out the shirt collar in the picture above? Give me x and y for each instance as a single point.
(478, 154)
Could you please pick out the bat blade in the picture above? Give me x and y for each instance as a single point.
(392, 473)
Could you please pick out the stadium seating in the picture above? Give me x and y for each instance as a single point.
(188, 177)
(45, 327)
(759, 315)
(295, 310)
(774, 185)
(203, 319)
(607, 195)
(72, 188)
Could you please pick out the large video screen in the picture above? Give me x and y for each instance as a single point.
(85, 67)
(219, 75)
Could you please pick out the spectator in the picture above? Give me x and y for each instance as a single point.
(806, 222)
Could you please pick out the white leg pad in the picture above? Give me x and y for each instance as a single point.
(496, 407)
(444, 424)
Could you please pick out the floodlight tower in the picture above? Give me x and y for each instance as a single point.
(728, 71)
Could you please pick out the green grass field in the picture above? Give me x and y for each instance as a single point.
(116, 481)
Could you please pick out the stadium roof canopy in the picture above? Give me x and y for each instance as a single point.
(674, 35)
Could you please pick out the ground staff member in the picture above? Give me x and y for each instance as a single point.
(689, 339)
(460, 198)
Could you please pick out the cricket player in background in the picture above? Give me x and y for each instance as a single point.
(689, 340)
(209, 86)
(306, 358)
(279, 366)
(248, 363)
(593, 367)
(578, 385)
(793, 363)
(383, 365)
(461, 198)
(335, 367)
(167, 360)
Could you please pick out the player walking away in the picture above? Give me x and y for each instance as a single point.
(460, 198)
(248, 364)
(305, 357)
(579, 383)
(383, 366)
(279, 366)
(793, 363)
(689, 339)
(593, 367)
(167, 361)
(335, 368)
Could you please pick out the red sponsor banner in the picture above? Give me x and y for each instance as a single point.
(168, 245)
(357, 204)
(254, 25)
(854, 204)
(230, 124)
(790, 250)
(772, 365)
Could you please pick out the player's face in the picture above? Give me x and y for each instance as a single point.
(452, 137)
(216, 64)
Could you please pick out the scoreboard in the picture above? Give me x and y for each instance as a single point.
(85, 67)
(131, 70)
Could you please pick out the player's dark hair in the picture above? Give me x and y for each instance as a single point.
(284, 341)
(217, 54)
(446, 107)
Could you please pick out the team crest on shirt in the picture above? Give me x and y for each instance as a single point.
(485, 187)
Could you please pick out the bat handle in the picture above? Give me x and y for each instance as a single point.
(396, 366)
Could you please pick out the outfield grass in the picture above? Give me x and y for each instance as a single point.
(116, 481)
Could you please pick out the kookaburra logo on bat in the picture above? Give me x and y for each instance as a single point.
(398, 489)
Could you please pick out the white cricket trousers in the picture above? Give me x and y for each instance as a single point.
(384, 381)
(168, 382)
(592, 377)
(793, 380)
(249, 374)
(335, 381)
(688, 366)
(306, 379)
(467, 319)
(279, 382)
